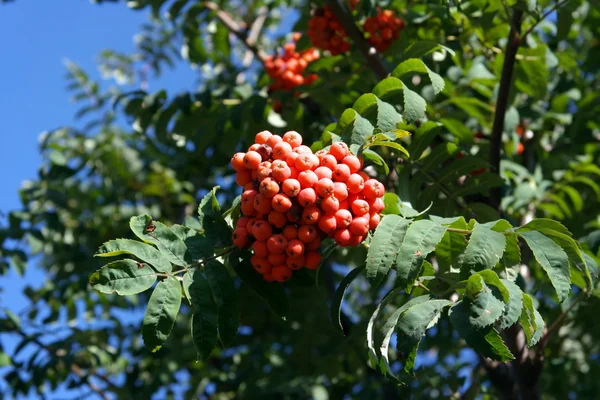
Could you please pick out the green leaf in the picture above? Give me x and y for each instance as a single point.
(414, 65)
(414, 105)
(552, 259)
(273, 294)
(423, 47)
(382, 252)
(227, 299)
(484, 250)
(514, 306)
(205, 316)
(422, 139)
(376, 159)
(361, 129)
(140, 250)
(387, 116)
(540, 325)
(157, 233)
(388, 330)
(387, 87)
(544, 223)
(338, 296)
(420, 239)
(412, 326)
(371, 325)
(487, 342)
(125, 277)
(213, 224)
(393, 145)
(527, 319)
(161, 313)
(485, 308)
(451, 247)
(492, 279)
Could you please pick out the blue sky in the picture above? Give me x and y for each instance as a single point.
(37, 36)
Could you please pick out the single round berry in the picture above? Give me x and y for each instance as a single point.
(307, 179)
(324, 187)
(311, 215)
(262, 230)
(277, 259)
(252, 160)
(330, 205)
(314, 245)
(304, 162)
(295, 263)
(360, 226)
(294, 214)
(280, 202)
(343, 218)
(242, 222)
(339, 150)
(262, 137)
(340, 190)
(376, 205)
(329, 161)
(242, 178)
(277, 244)
(273, 140)
(295, 248)
(291, 187)
(328, 224)
(237, 162)
(352, 162)
(341, 173)
(312, 260)
(260, 264)
(281, 273)
(290, 232)
(281, 150)
(277, 219)
(262, 204)
(374, 221)
(260, 248)
(240, 238)
(307, 233)
(269, 188)
(360, 207)
(342, 237)
(293, 138)
(307, 197)
(355, 184)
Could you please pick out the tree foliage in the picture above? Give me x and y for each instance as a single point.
(479, 120)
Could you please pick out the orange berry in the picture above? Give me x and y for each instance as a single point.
(352, 162)
(324, 187)
(311, 215)
(330, 205)
(304, 162)
(261, 265)
(295, 248)
(520, 148)
(329, 161)
(290, 232)
(342, 237)
(340, 190)
(307, 233)
(252, 160)
(281, 273)
(291, 159)
(359, 226)
(277, 259)
(291, 187)
(254, 147)
(307, 197)
(262, 137)
(314, 245)
(355, 183)
(242, 222)
(293, 138)
(302, 149)
(343, 218)
(242, 178)
(240, 238)
(360, 207)
(328, 224)
(312, 260)
(364, 175)
(373, 188)
(262, 230)
(269, 188)
(295, 263)
(376, 205)
(237, 162)
(277, 244)
(273, 140)
(374, 221)
(281, 203)
(356, 240)
(339, 150)
(281, 171)
(260, 248)
(324, 172)
(341, 172)
(277, 219)
(262, 204)
(307, 179)
(281, 150)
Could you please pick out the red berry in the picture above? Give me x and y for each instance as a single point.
(360, 207)
(307, 197)
(312, 260)
(262, 230)
(291, 187)
(277, 244)
(343, 218)
(360, 226)
(311, 215)
(330, 205)
(327, 223)
(339, 150)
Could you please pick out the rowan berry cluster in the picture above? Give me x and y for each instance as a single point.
(293, 199)
(326, 32)
(383, 29)
(286, 69)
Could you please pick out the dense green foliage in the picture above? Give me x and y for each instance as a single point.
(484, 252)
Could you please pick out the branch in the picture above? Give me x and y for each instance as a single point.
(543, 17)
(236, 28)
(557, 323)
(502, 103)
(372, 58)
(255, 30)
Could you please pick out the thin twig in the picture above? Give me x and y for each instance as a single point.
(512, 47)
(201, 262)
(543, 17)
(372, 57)
(236, 28)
